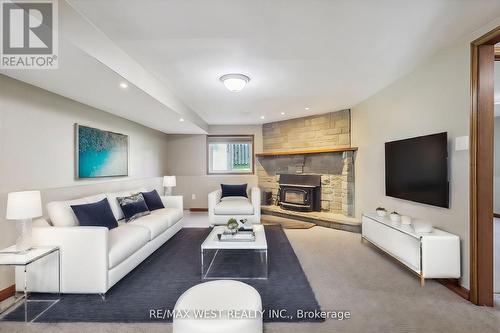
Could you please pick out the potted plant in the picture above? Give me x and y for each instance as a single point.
(395, 217)
(232, 225)
(381, 211)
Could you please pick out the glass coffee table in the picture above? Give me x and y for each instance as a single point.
(234, 259)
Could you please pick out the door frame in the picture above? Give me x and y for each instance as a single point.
(481, 167)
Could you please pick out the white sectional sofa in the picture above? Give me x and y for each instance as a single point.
(93, 259)
(221, 210)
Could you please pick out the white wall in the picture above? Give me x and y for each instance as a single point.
(435, 97)
(496, 169)
(189, 164)
(37, 150)
(496, 184)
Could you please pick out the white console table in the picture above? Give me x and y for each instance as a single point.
(429, 255)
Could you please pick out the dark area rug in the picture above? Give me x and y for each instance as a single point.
(158, 282)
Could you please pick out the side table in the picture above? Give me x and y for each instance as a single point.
(10, 257)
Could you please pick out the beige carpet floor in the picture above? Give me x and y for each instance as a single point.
(346, 274)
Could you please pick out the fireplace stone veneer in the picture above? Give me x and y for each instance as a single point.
(335, 169)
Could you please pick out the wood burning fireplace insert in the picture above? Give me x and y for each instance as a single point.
(300, 192)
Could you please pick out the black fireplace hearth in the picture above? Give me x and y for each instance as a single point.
(300, 192)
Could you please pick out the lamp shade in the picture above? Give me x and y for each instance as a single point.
(169, 181)
(24, 205)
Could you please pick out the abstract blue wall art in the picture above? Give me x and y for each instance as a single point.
(100, 153)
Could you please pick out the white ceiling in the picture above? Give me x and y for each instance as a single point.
(84, 79)
(91, 68)
(326, 55)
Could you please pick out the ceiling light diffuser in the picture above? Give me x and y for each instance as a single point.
(235, 82)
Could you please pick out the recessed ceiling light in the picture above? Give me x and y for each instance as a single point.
(262, 117)
(235, 82)
(123, 85)
(181, 120)
(306, 108)
(282, 113)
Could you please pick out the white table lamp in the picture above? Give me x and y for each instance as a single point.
(168, 183)
(24, 206)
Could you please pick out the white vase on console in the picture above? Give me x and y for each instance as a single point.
(395, 217)
(381, 212)
(405, 219)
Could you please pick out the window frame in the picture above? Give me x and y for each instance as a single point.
(207, 158)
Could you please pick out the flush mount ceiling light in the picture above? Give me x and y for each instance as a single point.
(234, 82)
(123, 85)
(181, 120)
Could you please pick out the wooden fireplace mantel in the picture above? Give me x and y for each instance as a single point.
(306, 151)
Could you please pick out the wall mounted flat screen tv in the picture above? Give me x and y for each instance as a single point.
(416, 169)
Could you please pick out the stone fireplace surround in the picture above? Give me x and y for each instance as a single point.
(324, 131)
(337, 177)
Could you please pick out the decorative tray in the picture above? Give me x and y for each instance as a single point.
(240, 236)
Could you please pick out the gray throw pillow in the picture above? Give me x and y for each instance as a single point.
(133, 206)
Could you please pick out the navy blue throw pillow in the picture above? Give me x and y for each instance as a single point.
(234, 190)
(153, 200)
(133, 206)
(96, 214)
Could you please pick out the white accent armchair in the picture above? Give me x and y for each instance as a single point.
(221, 210)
